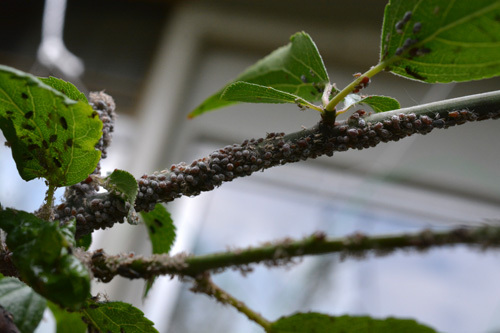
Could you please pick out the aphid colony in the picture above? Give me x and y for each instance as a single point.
(104, 105)
(94, 210)
(253, 155)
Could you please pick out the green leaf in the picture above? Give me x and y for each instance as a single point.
(123, 184)
(377, 103)
(453, 40)
(67, 322)
(161, 228)
(51, 135)
(254, 93)
(296, 68)
(321, 323)
(42, 254)
(161, 231)
(84, 241)
(22, 302)
(117, 317)
(67, 88)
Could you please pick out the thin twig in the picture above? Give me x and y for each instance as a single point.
(204, 284)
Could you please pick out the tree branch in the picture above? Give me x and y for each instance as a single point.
(99, 211)
(280, 253)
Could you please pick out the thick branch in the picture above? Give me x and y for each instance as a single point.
(239, 160)
(279, 253)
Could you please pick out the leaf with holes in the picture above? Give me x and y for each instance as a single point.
(116, 317)
(321, 323)
(51, 135)
(122, 184)
(439, 41)
(296, 68)
(25, 305)
(377, 103)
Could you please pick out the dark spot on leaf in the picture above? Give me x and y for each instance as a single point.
(69, 142)
(57, 163)
(414, 74)
(63, 122)
(33, 147)
(10, 113)
(93, 306)
(93, 115)
(158, 223)
(28, 115)
(28, 127)
(45, 144)
(152, 229)
(24, 96)
(53, 138)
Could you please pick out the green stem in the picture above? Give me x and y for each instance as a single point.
(46, 211)
(205, 285)
(330, 107)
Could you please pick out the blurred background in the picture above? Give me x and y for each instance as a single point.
(160, 59)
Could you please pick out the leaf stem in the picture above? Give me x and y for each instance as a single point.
(46, 210)
(330, 107)
(205, 285)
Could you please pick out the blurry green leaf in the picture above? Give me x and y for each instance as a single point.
(67, 88)
(117, 317)
(254, 93)
(161, 231)
(67, 322)
(123, 184)
(161, 228)
(377, 103)
(51, 136)
(84, 241)
(42, 254)
(321, 323)
(450, 40)
(296, 68)
(22, 302)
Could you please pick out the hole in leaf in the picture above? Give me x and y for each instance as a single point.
(63, 122)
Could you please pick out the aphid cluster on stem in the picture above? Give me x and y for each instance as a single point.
(105, 106)
(359, 131)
